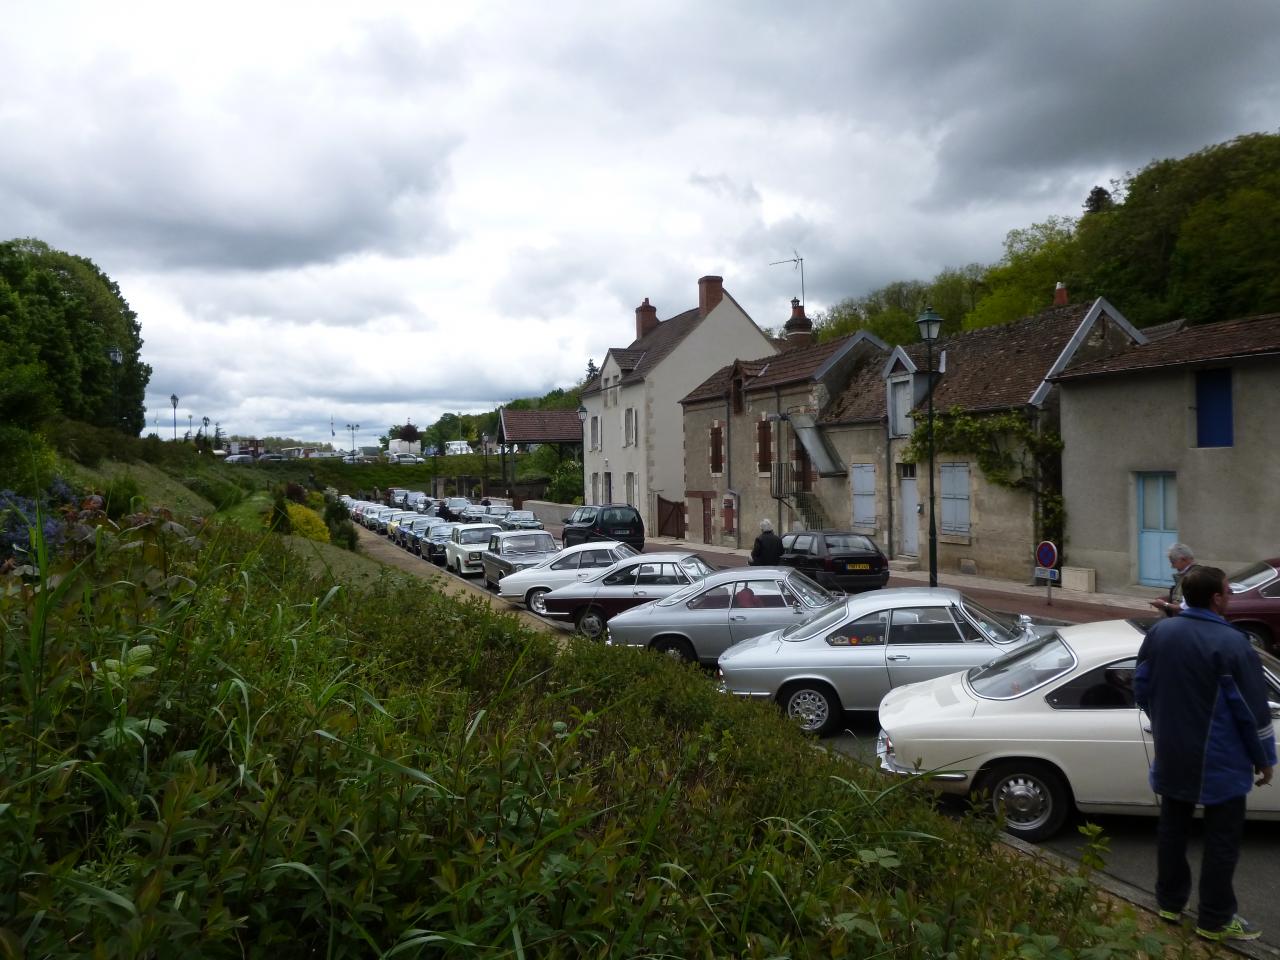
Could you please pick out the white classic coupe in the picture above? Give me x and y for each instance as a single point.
(1048, 726)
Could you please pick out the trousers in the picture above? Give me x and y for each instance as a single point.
(1223, 829)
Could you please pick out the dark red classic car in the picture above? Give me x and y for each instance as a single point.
(589, 604)
(1255, 603)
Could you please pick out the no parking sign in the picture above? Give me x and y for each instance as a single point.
(1046, 564)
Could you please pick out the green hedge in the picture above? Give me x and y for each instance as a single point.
(205, 752)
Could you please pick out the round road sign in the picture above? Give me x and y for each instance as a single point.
(1046, 554)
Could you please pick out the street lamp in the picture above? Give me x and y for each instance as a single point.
(173, 399)
(484, 477)
(188, 426)
(930, 324)
(353, 427)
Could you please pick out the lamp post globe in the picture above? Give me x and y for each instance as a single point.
(930, 324)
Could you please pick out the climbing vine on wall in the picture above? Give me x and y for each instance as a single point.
(1010, 451)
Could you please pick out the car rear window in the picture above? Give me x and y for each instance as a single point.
(1022, 670)
(618, 515)
(848, 543)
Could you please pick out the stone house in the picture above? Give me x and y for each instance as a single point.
(845, 437)
(1174, 440)
(633, 420)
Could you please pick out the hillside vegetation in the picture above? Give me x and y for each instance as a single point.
(207, 749)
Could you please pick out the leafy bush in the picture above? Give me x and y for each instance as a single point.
(305, 522)
(28, 464)
(123, 495)
(222, 492)
(278, 519)
(204, 752)
(295, 492)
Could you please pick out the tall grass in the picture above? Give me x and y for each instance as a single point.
(203, 753)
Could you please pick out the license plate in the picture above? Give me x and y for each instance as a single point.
(859, 566)
(622, 530)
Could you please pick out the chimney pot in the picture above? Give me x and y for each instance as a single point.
(646, 319)
(710, 293)
(1060, 298)
(799, 329)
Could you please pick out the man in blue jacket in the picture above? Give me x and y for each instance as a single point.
(1201, 683)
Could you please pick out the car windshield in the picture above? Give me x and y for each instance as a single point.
(529, 543)
(1023, 670)
(1250, 577)
(475, 536)
(443, 531)
(820, 622)
(520, 515)
(999, 627)
(808, 591)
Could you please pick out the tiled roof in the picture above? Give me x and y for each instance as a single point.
(657, 343)
(1229, 340)
(790, 366)
(863, 398)
(627, 359)
(541, 426)
(1000, 367)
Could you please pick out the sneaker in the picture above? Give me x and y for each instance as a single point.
(1238, 928)
(1170, 916)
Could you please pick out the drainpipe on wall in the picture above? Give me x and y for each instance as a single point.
(777, 451)
(728, 471)
(888, 487)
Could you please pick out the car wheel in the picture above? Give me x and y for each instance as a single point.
(1032, 797)
(535, 601)
(677, 648)
(813, 704)
(1259, 636)
(591, 623)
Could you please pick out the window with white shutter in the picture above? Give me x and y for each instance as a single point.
(862, 480)
(954, 478)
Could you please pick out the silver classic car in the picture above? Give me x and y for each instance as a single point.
(704, 619)
(849, 655)
(511, 550)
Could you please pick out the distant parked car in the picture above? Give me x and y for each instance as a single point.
(466, 544)
(239, 458)
(610, 521)
(474, 513)
(520, 520)
(270, 457)
(452, 508)
(510, 551)
(705, 619)
(571, 564)
(1255, 603)
(589, 603)
(837, 559)
(848, 656)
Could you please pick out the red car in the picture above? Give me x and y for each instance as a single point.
(589, 604)
(1255, 603)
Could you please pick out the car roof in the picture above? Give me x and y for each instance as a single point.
(590, 545)
(904, 596)
(669, 557)
(479, 526)
(1103, 640)
(522, 533)
(745, 573)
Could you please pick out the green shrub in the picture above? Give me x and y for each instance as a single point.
(122, 495)
(305, 522)
(28, 464)
(218, 490)
(278, 519)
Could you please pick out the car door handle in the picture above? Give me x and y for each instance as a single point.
(898, 656)
(739, 618)
(641, 593)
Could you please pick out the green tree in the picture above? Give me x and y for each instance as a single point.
(1022, 283)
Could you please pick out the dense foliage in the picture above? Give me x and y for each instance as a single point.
(204, 751)
(60, 317)
(1196, 237)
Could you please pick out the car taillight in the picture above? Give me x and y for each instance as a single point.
(828, 563)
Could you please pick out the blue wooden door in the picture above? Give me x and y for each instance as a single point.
(1157, 527)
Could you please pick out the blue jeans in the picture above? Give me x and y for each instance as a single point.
(1223, 828)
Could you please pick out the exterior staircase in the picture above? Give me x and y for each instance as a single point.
(810, 510)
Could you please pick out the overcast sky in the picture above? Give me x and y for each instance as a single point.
(372, 212)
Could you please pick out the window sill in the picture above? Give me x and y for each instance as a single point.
(961, 539)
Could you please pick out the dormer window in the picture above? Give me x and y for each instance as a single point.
(900, 423)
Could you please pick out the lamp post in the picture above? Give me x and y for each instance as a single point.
(484, 477)
(188, 426)
(353, 427)
(173, 400)
(930, 324)
(582, 419)
(205, 421)
(116, 356)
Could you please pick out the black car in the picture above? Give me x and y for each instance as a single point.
(837, 559)
(610, 521)
(452, 508)
(432, 548)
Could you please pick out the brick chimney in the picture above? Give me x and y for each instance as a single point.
(646, 319)
(799, 329)
(710, 293)
(1060, 298)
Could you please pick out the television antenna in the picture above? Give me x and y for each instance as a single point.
(798, 262)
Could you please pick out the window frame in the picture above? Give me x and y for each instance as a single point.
(959, 503)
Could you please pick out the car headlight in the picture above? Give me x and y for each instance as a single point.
(473, 557)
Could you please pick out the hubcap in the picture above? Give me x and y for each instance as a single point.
(1025, 800)
(591, 624)
(537, 603)
(809, 707)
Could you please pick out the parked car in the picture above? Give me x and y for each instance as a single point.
(706, 618)
(474, 513)
(406, 458)
(568, 566)
(433, 546)
(239, 458)
(1049, 725)
(391, 522)
(410, 531)
(837, 559)
(520, 520)
(396, 495)
(270, 457)
(494, 512)
(589, 603)
(848, 656)
(514, 550)
(466, 544)
(1255, 603)
(611, 521)
(452, 508)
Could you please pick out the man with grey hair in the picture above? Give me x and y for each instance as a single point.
(767, 550)
(1181, 560)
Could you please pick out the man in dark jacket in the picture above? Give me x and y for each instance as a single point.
(1201, 683)
(767, 550)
